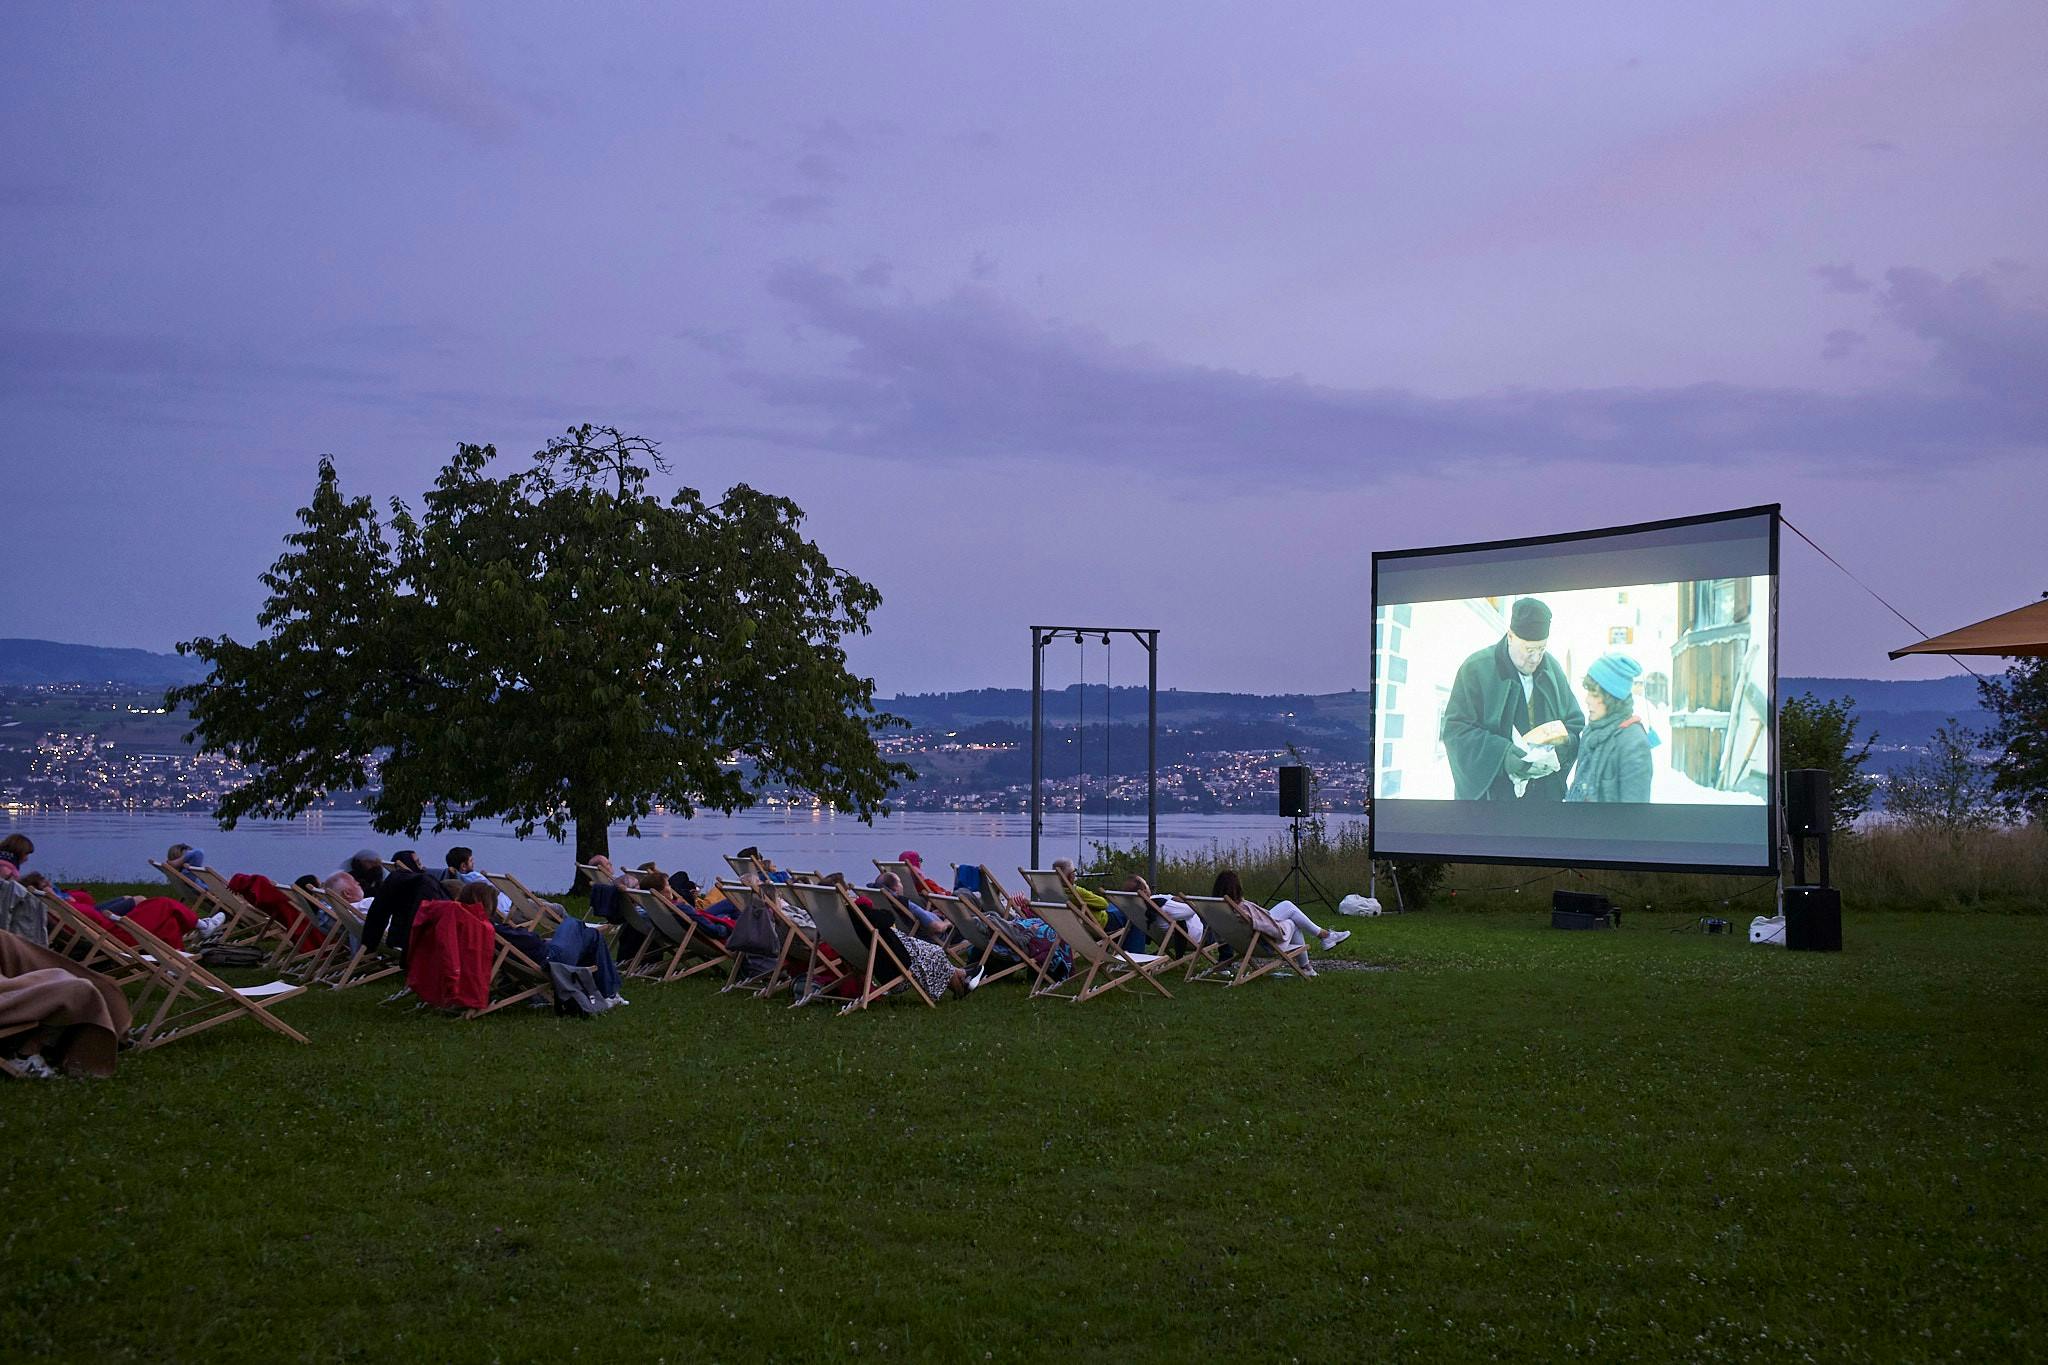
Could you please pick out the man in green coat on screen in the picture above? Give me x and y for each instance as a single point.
(1509, 688)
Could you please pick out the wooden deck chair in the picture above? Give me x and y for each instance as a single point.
(1252, 954)
(515, 978)
(528, 910)
(686, 948)
(653, 943)
(1137, 910)
(743, 868)
(248, 922)
(906, 874)
(1043, 884)
(87, 943)
(982, 935)
(350, 963)
(596, 875)
(177, 997)
(289, 959)
(795, 939)
(831, 908)
(244, 923)
(1110, 964)
(988, 879)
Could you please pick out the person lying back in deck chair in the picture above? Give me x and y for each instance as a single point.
(1170, 906)
(930, 927)
(1284, 921)
(935, 971)
(775, 874)
(1106, 915)
(680, 894)
(485, 897)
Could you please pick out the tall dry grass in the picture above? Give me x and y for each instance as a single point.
(1882, 867)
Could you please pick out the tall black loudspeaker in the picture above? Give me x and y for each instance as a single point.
(1808, 807)
(1294, 792)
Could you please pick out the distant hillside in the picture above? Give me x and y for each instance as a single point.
(1952, 696)
(39, 663)
(1875, 697)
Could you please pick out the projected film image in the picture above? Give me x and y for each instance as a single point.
(1653, 694)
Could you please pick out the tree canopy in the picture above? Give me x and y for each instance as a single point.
(1817, 734)
(554, 646)
(2019, 700)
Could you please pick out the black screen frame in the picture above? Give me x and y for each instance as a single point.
(1773, 796)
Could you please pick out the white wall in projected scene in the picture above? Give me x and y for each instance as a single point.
(1631, 727)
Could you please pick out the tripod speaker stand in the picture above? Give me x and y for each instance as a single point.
(1299, 875)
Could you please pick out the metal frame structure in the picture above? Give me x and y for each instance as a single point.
(1041, 636)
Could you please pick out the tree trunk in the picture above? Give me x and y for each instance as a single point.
(593, 836)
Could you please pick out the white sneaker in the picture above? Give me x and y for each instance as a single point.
(1335, 937)
(618, 1000)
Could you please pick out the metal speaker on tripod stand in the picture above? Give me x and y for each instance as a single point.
(1294, 806)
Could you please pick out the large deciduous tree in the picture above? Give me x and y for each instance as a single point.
(555, 646)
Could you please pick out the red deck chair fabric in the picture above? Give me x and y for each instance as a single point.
(264, 894)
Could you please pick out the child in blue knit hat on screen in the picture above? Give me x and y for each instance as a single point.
(1614, 752)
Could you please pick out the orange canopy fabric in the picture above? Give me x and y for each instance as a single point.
(2021, 633)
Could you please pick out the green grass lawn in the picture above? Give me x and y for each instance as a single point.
(1514, 1143)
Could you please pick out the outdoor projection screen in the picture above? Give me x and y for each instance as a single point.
(1597, 699)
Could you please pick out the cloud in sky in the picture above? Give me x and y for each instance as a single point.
(1353, 277)
(409, 59)
(972, 376)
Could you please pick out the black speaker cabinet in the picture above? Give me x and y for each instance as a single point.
(1808, 807)
(1293, 792)
(1813, 918)
(1581, 910)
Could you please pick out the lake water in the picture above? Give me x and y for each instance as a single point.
(117, 845)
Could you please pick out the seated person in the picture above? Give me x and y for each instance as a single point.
(396, 901)
(932, 928)
(1047, 950)
(937, 973)
(344, 885)
(461, 869)
(713, 921)
(925, 885)
(1284, 921)
(483, 896)
(1170, 907)
(1106, 915)
(367, 869)
(769, 869)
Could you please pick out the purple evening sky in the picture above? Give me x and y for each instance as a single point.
(1160, 314)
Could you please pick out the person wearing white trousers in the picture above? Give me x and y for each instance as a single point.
(1292, 922)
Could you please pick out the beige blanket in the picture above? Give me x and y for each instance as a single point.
(80, 1016)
